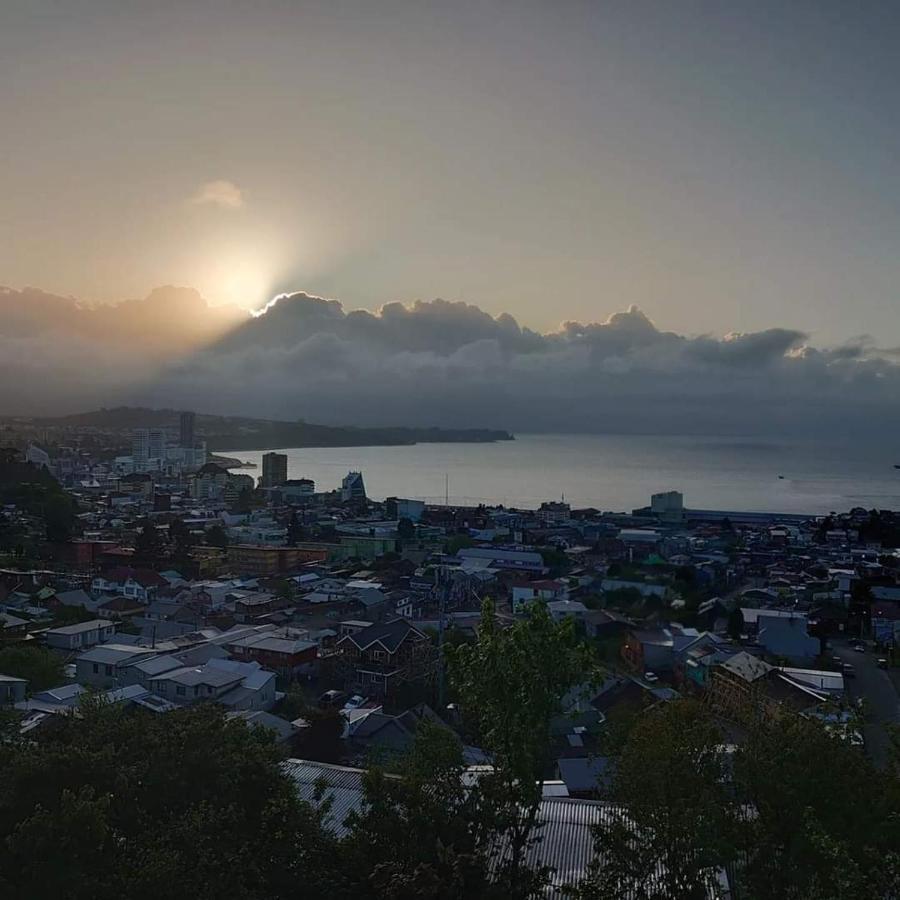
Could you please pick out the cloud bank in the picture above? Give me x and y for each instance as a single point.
(439, 363)
(221, 193)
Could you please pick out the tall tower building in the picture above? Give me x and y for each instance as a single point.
(186, 437)
(274, 469)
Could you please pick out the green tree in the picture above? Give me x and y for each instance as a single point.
(510, 683)
(672, 825)
(426, 833)
(216, 536)
(406, 530)
(295, 532)
(42, 668)
(131, 804)
(821, 814)
(148, 544)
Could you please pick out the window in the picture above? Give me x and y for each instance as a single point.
(209, 689)
(109, 670)
(196, 690)
(179, 689)
(96, 668)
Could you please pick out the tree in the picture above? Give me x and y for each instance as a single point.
(822, 815)
(406, 530)
(183, 542)
(735, 622)
(40, 667)
(673, 823)
(132, 804)
(426, 833)
(510, 685)
(295, 532)
(216, 536)
(148, 545)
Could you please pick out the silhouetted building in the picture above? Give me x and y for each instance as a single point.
(274, 469)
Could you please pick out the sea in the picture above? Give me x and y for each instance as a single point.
(617, 472)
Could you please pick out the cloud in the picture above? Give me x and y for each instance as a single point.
(444, 363)
(221, 193)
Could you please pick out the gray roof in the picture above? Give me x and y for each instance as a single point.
(113, 654)
(81, 627)
(565, 824)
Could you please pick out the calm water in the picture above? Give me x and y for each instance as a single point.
(618, 472)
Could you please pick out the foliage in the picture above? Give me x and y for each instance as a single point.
(34, 491)
(822, 813)
(148, 544)
(459, 542)
(672, 825)
(120, 804)
(511, 683)
(42, 668)
(295, 531)
(216, 536)
(425, 834)
(406, 530)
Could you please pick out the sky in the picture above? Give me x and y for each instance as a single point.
(724, 166)
(668, 207)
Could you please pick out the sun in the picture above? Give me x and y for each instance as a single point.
(242, 280)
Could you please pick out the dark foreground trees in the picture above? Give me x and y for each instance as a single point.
(794, 813)
(117, 803)
(123, 804)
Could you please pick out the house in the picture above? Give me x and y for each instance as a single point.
(237, 685)
(523, 592)
(80, 636)
(12, 690)
(120, 608)
(750, 690)
(104, 665)
(12, 627)
(372, 729)
(286, 651)
(787, 637)
(379, 658)
(586, 777)
(140, 584)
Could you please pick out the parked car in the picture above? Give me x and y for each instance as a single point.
(837, 661)
(882, 662)
(355, 702)
(849, 671)
(652, 677)
(332, 698)
(859, 647)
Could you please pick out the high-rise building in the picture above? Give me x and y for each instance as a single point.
(353, 487)
(148, 443)
(187, 429)
(274, 469)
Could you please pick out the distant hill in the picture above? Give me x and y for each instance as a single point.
(241, 433)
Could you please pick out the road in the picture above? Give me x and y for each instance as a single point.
(882, 700)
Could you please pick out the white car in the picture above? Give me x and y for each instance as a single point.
(652, 677)
(355, 702)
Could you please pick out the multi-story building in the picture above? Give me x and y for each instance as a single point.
(380, 658)
(353, 487)
(255, 559)
(147, 444)
(274, 469)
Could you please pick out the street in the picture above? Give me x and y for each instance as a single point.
(879, 690)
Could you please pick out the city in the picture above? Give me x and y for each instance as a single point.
(170, 580)
(449, 451)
